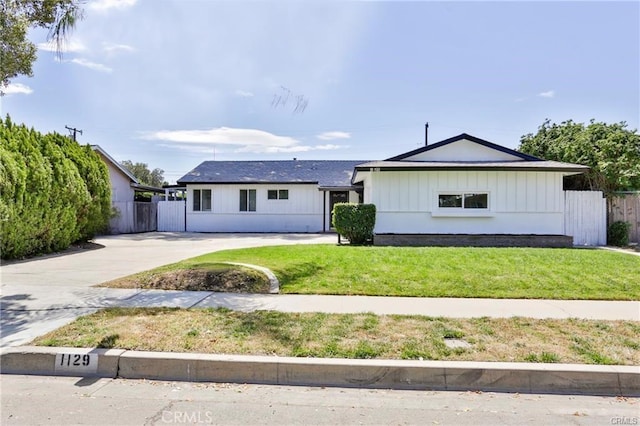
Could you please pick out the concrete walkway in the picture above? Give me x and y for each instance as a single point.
(41, 295)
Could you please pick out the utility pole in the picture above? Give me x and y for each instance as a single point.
(73, 131)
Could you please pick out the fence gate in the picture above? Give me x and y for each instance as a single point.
(171, 216)
(133, 216)
(585, 217)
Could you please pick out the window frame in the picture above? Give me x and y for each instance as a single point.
(462, 196)
(248, 200)
(278, 194)
(462, 210)
(199, 198)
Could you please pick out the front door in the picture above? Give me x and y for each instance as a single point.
(337, 197)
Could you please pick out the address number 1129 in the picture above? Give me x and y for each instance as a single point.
(74, 360)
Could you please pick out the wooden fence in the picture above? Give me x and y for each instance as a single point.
(585, 217)
(626, 207)
(171, 216)
(134, 216)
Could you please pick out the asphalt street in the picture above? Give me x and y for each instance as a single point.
(71, 401)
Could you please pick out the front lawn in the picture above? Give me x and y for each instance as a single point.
(531, 273)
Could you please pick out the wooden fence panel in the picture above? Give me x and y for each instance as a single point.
(123, 222)
(133, 216)
(145, 217)
(585, 217)
(171, 216)
(626, 207)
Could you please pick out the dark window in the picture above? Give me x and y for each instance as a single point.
(247, 200)
(449, 200)
(464, 201)
(476, 201)
(278, 194)
(196, 200)
(202, 200)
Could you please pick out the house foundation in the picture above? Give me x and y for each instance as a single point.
(473, 240)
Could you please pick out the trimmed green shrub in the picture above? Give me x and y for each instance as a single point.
(618, 234)
(354, 221)
(53, 192)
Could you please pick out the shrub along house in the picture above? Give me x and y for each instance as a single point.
(267, 196)
(467, 191)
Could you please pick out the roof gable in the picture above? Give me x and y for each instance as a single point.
(464, 148)
(325, 173)
(107, 158)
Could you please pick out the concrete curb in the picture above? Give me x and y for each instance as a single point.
(47, 361)
(384, 374)
(274, 284)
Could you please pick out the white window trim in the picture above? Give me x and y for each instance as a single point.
(438, 211)
(278, 195)
(248, 211)
(193, 195)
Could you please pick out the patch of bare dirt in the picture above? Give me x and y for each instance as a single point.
(231, 280)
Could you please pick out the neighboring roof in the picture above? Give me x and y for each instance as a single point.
(135, 184)
(115, 163)
(325, 173)
(460, 137)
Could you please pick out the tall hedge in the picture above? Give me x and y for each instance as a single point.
(354, 221)
(53, 192)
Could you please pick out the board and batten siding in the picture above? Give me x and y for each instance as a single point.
(519, 202)
(302, 212)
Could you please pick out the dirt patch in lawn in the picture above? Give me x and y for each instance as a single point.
(222, 278)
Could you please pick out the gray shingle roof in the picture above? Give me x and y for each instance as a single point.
(325, 173)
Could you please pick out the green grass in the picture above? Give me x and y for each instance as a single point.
(362, 336)
(532, 273)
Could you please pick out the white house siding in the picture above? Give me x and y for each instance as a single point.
(472, 152)
(302, 212)
(519, 202)
(120, 184)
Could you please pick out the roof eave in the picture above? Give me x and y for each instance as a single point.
(531, 168)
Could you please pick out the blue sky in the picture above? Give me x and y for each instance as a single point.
(173, 83)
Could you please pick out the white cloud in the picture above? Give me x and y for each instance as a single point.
(328, 136)
(91, 65)
(16, 88)
(547, 94)
(244, 94)
(112, 48)
(244, 140)
(67, 46)
(104, 5)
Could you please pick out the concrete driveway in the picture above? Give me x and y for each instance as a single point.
(43, 294)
